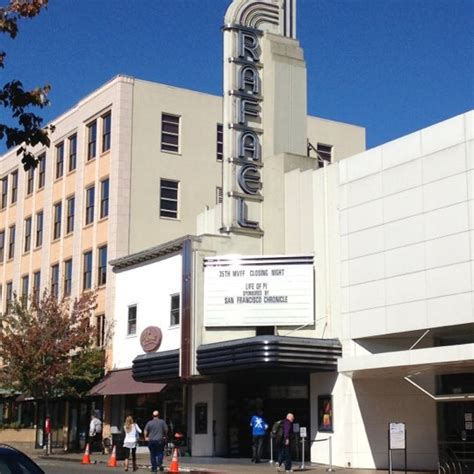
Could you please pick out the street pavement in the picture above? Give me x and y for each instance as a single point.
(59, 462)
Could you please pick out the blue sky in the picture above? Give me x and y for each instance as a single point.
(392, 66)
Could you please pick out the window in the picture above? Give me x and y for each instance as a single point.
(91, 140)
(106, 129)
(30, 181)
(174, 310)
(39, 229)
(57, 218)
(11, 242)
(102, 276)
(42, 170)
(169, 133)
(104, 198)
(72, 152)
(100, 330)
(87, 271)
(36, 286)
(132, 320)
(67, 284)
(55, 280)
(27, 246)
(220, 142)
(25, 284)
(219, 195)
(70, 205)
(9, 294)
(4, 191)
(90, 198)
(14, 187)
(169, 198)
(324, 153)
(2, 245)
(59, 160)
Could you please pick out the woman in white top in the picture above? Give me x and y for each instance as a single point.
(132, 432)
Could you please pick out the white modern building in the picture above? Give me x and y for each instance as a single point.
(386, 353)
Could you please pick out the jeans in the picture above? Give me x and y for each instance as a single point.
(257, 444)
(156, 453)
(284, 456)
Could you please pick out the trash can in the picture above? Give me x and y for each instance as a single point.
(117, 441)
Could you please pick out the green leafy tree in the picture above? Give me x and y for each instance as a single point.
(46, 347)
(26, 128)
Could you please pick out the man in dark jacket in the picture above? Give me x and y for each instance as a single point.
(284, 455)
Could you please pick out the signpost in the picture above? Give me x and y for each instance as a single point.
(397, 437)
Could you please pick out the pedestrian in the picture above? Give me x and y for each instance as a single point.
(259, 429)
(95, 432)
(156, 431)
(132, 433)
(284, 453)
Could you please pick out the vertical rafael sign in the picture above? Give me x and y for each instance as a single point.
(246, 23)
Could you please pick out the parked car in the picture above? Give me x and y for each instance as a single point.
(13, 461)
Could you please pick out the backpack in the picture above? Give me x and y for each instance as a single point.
(277, 430)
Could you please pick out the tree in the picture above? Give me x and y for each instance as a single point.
(47, 349)
(26, 131)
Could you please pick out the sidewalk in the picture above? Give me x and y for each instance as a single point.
(214, 465)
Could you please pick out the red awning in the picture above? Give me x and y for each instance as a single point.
(121, 382)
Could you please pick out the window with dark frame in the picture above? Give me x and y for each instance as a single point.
(87, 271)
(324, 152)
(41, 170)
(4, 192)
(220, 142)
(67, 283)
(104, 198)
(39, 229)
(9, 294)
(175, 310)
(100, 330)
(132, 320)
(170, 133)
(57, 218)
(25, 286)
(91, 140)
(70, 210)
(28, 227)
(72, 152)
(90, 201)
(102, 274)
(219, 195)
(11, 242)
(36, 286)
(59, 160)
(30, 181)
(169, 198)
(2, 245)
(14, 196)
(106, 131)
(55, 280)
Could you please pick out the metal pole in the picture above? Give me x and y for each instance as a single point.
(330, 455)
(302, 453)
(271, 450)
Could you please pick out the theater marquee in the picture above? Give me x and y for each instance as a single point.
(258, 291)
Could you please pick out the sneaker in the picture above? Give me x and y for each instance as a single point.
(162, 468)
(278, 467)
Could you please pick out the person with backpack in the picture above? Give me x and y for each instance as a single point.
(259, 429)
(283, 436)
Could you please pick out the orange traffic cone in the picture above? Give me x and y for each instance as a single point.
(174, 466)
(113, 458)
(86, 459)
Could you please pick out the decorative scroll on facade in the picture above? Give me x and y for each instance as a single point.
(246, 23)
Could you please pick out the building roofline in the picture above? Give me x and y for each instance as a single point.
(152, 253)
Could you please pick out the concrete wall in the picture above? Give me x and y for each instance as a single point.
(149, 287)
(407, 232)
